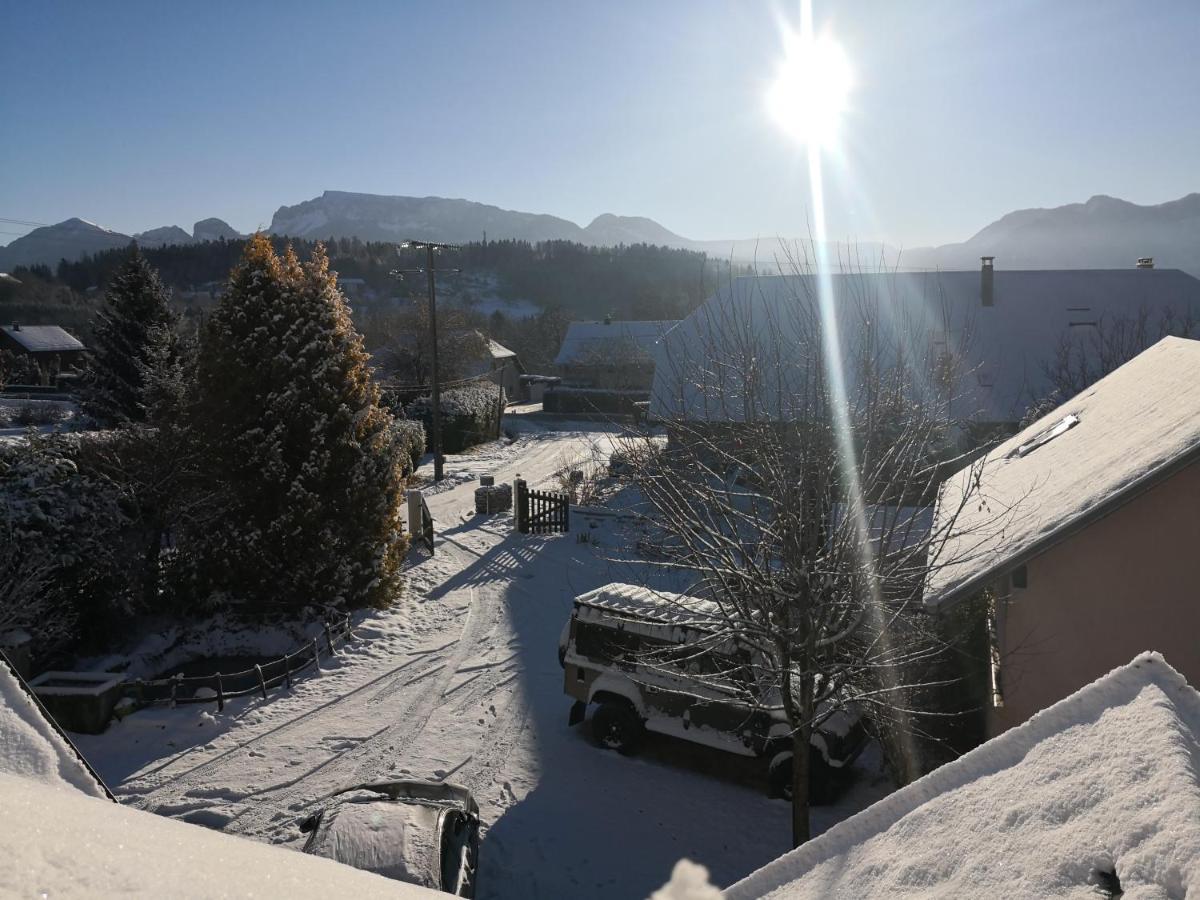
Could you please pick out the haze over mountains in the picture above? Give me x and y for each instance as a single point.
(1104, 232)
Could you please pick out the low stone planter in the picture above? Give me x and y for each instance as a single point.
(79, 701)
(493, 499)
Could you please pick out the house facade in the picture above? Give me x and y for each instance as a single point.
(985, 344)
(503, 367)
(50, 347)
(610, 355)
(1079, 536)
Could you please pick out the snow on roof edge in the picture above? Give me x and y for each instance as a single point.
(954, 593)
(34, 747)
(1118, 687)
(1016, 554)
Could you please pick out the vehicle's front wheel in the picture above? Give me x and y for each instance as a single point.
(617, 727)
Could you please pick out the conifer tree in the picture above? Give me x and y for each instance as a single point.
(135, 307)
(293, 428)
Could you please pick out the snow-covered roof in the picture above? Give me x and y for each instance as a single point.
(61, 843)
(1002, 349)
(31, 748)
(642, 602)
(42, 338)
(1104, 781)
(588, 342)
(63, 836)
(498, 351)
(1099, 449)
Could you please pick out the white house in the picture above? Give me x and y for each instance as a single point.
(998, 330)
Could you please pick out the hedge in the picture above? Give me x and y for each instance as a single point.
(410, 437)
(592, 401)
(470, 415)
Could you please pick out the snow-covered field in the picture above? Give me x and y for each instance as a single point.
(460, 680)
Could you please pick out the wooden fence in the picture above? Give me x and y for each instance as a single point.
(260, 679)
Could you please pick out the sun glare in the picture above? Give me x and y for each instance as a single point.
(808, 95)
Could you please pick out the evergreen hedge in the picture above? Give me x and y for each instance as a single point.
(592, 401)
(410, 439)
(470, 415)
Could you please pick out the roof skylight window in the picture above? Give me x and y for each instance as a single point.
(1062, 426)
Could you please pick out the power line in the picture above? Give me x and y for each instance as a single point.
(24, 222)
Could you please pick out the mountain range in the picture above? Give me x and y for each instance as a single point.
(1104, 232)
(74, 238)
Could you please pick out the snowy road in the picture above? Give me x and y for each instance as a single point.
(461, 681)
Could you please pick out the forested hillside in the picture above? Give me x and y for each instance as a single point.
(635, 282)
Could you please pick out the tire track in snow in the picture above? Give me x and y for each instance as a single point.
(281, 804)
(396, 675)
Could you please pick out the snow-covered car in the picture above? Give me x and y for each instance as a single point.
(630, 653)
(417, 832)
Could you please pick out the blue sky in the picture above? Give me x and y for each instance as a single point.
(137, 115)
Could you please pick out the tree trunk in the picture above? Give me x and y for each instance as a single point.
(800, 775)
(150, 573)
(799, 716)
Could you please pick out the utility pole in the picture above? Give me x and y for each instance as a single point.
(431, 249)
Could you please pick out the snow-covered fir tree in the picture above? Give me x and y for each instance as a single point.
(291, 420)
(136, 305)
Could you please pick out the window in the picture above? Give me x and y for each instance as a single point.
(1020, 577)
(1062, 426)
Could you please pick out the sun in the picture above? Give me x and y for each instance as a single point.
(808, 96)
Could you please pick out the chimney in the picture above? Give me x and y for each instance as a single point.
(986, 291)
(16, 326)
(1145, 262)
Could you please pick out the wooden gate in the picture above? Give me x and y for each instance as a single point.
(540, 512)
(420, 522)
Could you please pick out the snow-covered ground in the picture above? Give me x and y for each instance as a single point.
(460, 680)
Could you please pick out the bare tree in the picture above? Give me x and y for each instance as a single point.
(401, 345)
(1087, 352)
(807, 443)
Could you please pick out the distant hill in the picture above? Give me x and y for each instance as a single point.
(1104, 232)
(374, 217)
(610, 230)
(163, 237)
(75, 238)
(67, 240)
(214, 230)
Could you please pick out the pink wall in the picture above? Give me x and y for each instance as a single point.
(1129, 582)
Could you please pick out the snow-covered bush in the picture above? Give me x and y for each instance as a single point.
(410, 435)
(61, 543)
(290, 421)
(469, 415)
(39, 412)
